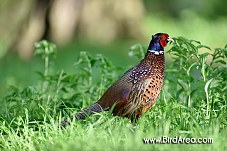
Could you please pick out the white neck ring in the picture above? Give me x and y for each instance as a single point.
(156, 52)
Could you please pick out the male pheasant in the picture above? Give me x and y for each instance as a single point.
(138, 89)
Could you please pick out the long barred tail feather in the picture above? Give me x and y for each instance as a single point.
(95, 108)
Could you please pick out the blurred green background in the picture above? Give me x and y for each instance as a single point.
(97, 26)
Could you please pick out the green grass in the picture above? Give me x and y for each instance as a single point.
(193, 104)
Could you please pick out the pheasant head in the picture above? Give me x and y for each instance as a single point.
(158, 42)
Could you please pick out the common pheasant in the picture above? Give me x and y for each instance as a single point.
(137, 90)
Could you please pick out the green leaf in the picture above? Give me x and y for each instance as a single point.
(137, 50)
(45, 48)
(203, 46)
(207, 85)
(189, 69)
(220, 61)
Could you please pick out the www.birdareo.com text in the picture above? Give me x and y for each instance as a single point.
(177, 140)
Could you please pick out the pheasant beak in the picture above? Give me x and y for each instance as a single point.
(170, 40)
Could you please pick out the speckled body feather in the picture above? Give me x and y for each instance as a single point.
(137, 90)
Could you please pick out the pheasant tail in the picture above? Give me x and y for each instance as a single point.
(95, 108)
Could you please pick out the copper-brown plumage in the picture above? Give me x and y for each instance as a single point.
(138, 89)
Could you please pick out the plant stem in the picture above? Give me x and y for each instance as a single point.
(45, 83)
(46, 66)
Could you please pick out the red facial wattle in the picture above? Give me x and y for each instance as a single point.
(163, 40)
(163, 43)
